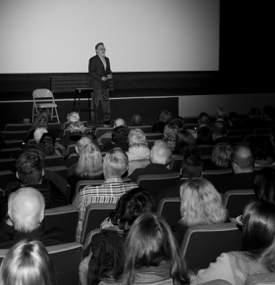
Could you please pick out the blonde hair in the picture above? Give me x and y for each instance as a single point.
(90, 162)
(27, 263)
(137, 138)
(201, 204)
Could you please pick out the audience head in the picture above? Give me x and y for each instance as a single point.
(258, 238)
(137, 138)
(81, 144)
(264, 185)
(38, 133)
(242, 159)
(47, 144)
(26, 209)
(165, 117)
(90, 162)
(160, 142)
(170, 132)
(119, 122)
(221, 155)
(136, 120)
(191, 167)
(218, 130)
(115, 163)
(150, 242)
(204, 134)
(255, 113)
(130, 206)
(201, 204)
(30, 167)
(178, 121)
(234, 118)
(107, 119)
(160, 154)
(27, 263)
(185, 143)
(73, 117)
(261, 148)
(203, 119)
(221, 113)
(120, 135)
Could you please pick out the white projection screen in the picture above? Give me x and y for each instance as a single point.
(55, 36)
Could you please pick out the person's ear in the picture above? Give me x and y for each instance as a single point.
(43, 172)
(17, 175)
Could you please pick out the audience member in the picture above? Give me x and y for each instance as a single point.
(236, 121)
(255, 118)
(185, 145)
(204, 135)
(242, 163)
(191, 167)
(178, 121)
(264, 185)
(103, 263)
(30, 172)
(159, 159)
(170, 135)
(27, 262)
(220, 158)
(262, 150)
(115, 164)
(47, 145)
(256, 254)
(151, 254)
(219, 133)
(138, 148)
(201, 204)
(107, 120)
(203, 120)
(88, 167)
(164, 118)
(136, 120)
(221, 116)
(25, 215)
(119, 139)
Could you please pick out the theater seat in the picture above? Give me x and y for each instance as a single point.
(203, 244)
(261, 279)
(6, 176)
(169, 208)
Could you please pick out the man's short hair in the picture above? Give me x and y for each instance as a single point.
(115, 162)
(98, 44)
(26, 209)
(160, 154)
(219, 128)
(243, 157)
(119, 122)
(192, 166)
(30, 166)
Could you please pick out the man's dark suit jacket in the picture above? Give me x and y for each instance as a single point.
(97, 71)
(152, 168)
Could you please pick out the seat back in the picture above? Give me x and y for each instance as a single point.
(154, 183)
(94, 215)
(61, 170)
(65, 258)
(7, 164)
(54, 160)
(169, 208)
(213, 174)
(203, 244)
(82, 183)
(18, 127)
(12, 152)
(175, 164)
(14, 135)
(154, 136)
(65, 217)
(101, 130)
(144, 128)
(6, 176)
(236, 200)
(42, 94)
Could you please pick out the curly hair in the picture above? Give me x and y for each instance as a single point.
(221, 155)
(120, 135)
(137, 138)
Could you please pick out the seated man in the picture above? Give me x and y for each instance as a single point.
(114, 166)
(159, 159)
(30, 172)
(25, 215)
(219, 133)
(242, 164)
(191, 167)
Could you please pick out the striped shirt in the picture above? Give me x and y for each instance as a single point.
(109, 192)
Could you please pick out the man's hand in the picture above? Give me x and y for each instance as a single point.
(104, 78)
(109, 76)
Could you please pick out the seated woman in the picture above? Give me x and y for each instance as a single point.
(151, 255)
(170, 135)
(105, 248)
(27, 262)
(136, 120)
(257, 252)
(119, 139)
(220, 158)
(47, 145)
(164, 118)
(264, 185)
(201, 204)
(204, 135)
(138, 148)
(88, 167)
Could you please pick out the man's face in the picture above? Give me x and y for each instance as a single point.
(101, 50)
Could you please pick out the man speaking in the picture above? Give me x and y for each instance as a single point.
(100, 72)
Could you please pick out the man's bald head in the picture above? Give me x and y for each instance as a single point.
(82, 143)
(242, 158)
(160, 154)
(26, 209)
(119, 122)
